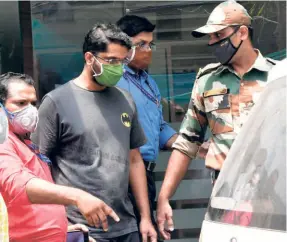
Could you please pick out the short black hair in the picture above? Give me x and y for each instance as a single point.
(132, 25)
(10, 77)
(98, 38)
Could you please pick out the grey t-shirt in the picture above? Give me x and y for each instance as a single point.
(88, 136)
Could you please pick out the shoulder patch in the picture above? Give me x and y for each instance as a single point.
(207, 69)
(215, 92)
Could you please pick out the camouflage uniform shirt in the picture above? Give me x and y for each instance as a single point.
(220, 100)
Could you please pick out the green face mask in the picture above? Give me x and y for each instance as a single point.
(109, 75)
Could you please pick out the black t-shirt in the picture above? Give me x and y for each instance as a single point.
(88, 136)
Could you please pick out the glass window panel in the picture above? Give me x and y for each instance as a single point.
(59, 29)
(10, 38)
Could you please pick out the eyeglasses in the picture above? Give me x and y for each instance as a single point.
(144, 46)
(111, 61)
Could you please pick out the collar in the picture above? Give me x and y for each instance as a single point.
(129, 70)
(278, 71)
(222, 68)
(260, 64)
(132, 72)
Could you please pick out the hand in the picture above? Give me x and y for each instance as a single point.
(80, 227)
(95, 210)
(164, 215)
(147, 231)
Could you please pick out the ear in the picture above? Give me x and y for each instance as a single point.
(244, 33)
(89, 58)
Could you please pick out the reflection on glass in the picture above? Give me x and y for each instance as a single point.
(11, 49)
(58, 29)
(251, 190)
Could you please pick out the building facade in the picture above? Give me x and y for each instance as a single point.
(44, 39)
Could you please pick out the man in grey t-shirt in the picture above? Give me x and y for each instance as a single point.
(90, 131)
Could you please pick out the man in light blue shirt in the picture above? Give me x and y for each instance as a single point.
(146, 96)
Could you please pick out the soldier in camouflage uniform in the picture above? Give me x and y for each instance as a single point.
(222, 97)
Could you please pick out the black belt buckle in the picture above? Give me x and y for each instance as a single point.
(149, 165)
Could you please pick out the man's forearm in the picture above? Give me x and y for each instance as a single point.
(138, 183)
(170, 142)
(176, 169)
(43, 192)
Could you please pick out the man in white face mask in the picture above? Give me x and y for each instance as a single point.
(34, 202)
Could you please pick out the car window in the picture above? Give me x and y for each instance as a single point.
(251, 189)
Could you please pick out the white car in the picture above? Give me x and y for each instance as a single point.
(248, 202)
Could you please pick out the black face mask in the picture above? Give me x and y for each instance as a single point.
(225, 50)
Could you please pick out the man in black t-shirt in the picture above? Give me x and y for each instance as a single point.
(90, 131)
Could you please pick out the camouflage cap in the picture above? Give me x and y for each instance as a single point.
(228, 13)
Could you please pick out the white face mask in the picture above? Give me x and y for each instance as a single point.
(25, 120)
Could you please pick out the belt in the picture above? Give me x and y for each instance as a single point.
(214, 175)
(149, 165)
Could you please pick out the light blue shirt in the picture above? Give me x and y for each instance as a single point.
(157, 131)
